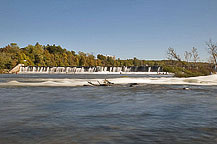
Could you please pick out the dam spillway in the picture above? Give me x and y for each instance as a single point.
(85, 69)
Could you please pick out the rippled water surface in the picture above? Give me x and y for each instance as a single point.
(118, 114)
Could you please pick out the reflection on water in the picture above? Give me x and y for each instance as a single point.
(122, 114)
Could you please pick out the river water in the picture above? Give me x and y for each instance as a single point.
(145, 113)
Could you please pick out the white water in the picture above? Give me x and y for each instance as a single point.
(100, 73)
(72, 70)
(202, 80)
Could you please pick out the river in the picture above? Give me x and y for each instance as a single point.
(144, 113)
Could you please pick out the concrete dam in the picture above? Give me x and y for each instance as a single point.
(88, 70)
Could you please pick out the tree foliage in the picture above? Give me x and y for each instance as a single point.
(53, 55)
(188, 68)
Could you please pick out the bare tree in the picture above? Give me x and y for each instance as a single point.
(171, 54)
(212, 50)
(187, 56)
(195, 55)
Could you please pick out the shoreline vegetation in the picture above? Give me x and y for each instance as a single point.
(52, 55)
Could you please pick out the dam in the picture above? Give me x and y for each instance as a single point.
(21, 69)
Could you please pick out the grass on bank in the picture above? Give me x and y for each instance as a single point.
(189, 72)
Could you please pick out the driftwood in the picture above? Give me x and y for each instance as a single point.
(105, 83)
(92, 83)
(108, 82)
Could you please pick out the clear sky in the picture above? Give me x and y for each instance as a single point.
(124, 28)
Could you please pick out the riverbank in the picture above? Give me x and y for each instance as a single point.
(4, 71)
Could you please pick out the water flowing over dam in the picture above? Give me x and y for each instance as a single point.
(85, 69)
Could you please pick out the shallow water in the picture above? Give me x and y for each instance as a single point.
(118, 114)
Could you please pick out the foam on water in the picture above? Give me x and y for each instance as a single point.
(202, 80)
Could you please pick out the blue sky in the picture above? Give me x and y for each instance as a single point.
(124, 28)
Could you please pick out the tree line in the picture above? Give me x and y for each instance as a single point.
(53, 55)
